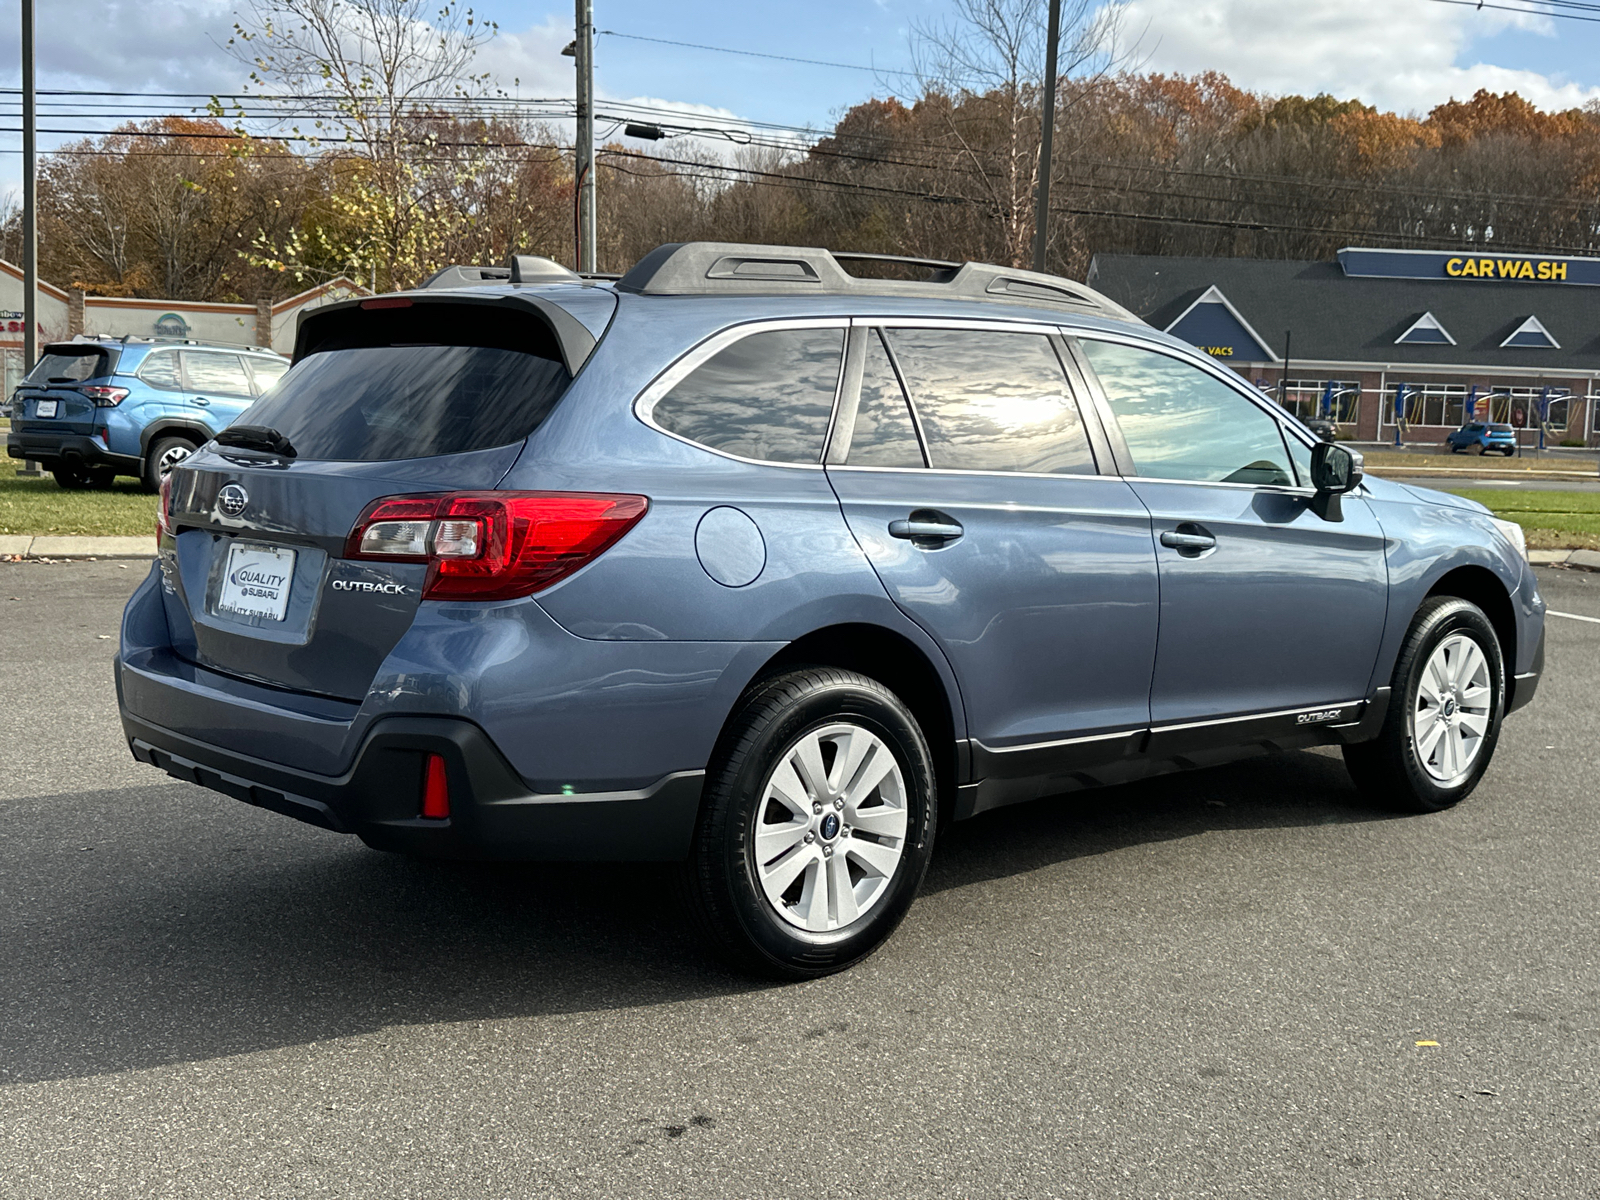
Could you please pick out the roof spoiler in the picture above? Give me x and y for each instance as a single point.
(734, 269)
(574, 339)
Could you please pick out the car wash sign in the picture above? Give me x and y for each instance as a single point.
(1463, 265)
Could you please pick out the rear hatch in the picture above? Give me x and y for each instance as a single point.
(50, 399)
(392, 396)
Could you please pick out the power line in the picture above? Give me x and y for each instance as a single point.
(810, 62)
(1532, 12)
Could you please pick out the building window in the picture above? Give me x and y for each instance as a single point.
(1333, 399)
(1437, 404)
(1503, 402)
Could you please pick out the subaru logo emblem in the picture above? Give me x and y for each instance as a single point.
(232, 499)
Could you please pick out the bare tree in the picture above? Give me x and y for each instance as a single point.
(989, 61)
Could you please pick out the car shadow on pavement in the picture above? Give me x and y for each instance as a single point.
(228, 930)
(1271, 791)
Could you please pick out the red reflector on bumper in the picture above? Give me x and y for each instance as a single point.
(435, 789)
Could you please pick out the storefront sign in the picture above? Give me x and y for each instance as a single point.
(1446, 264)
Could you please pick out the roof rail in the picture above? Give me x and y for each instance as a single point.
(733, 269)
(519, 268)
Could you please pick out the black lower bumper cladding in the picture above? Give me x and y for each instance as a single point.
(493, 813)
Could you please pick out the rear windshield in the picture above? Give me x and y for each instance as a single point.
(70, 365)
(414, 383)
(1501, 428)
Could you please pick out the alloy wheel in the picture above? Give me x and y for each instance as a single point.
(1450, 714)
(830, 829)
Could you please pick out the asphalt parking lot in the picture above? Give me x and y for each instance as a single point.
(1240, 982)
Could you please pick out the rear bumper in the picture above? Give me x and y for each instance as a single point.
(48, 446)
(493, 814)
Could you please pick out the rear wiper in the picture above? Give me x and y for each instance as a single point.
(256, 437)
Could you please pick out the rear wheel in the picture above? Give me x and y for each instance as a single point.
(164, 454)
(70, 477)
(102, 477)
(1446, 700)
(817, 824)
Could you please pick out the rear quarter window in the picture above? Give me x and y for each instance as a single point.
(70, 365)
(768, 397)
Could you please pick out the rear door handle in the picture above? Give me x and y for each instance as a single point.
(201, 401)
(926, 528)
(1188, 540)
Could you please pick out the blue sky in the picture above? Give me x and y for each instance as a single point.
(1402, 54)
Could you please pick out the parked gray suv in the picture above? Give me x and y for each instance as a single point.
(754, 564)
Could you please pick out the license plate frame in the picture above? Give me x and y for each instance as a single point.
(46, 409)
(263, 591)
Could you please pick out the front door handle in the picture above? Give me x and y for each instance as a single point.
(1189, 540)
(201, 401)
(926, 529)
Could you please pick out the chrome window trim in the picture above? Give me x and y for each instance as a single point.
(998, 474)
(1222, 375)
(656, 390)
(978, 324)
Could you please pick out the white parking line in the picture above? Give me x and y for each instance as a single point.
(1573, 616)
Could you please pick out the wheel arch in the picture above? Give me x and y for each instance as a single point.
(1481, 586)
(184, 427)
(903, 667)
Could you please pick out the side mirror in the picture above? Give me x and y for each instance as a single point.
(1335, 470)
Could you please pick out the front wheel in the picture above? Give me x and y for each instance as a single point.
(817, 824)
(1446, 701)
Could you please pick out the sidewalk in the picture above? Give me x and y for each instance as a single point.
(28, 546)
(1589, 560)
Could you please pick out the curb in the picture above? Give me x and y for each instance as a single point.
(1587, 560)
(15, 547)
(1422, 472)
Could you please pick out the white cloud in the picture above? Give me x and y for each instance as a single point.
(1405, 56)
(115, 46)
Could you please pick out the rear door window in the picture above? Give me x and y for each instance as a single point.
(768, 397)
(215, 373)
(883, 434)
(1183, 423)
(992, 401)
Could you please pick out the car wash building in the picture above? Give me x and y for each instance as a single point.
(1418, 341)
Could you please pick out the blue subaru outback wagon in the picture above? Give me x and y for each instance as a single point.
(95, 408)
(755, 564)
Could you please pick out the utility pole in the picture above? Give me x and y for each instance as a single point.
(1047, 132)
(583, 166)
(30, 198)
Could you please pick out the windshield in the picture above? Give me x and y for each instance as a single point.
(61, 364)
(391, 402)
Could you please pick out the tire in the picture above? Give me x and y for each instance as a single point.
(102, 478)
(1451, 642)
(752, 841)
(164, 454)
(71, 478)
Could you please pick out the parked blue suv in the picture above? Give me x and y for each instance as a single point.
(95, 408)
(752, 564)
(1485, 435)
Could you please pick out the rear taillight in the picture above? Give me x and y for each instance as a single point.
(105, 397)
(493, 545)
(164, 509)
